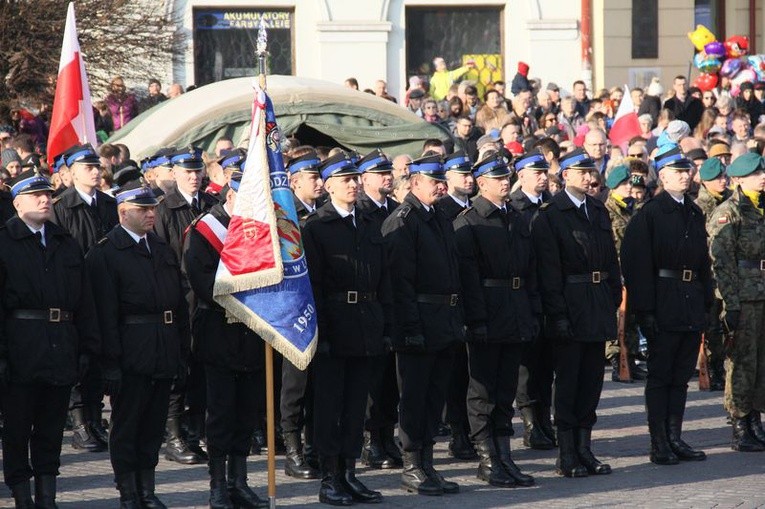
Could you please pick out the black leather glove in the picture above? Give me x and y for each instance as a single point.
(387, 343)
(5, 372)
(83, 363)
(112, 384)
(731, 320)
(562, 330)
(478, 334)
(647, 324)
(415, 343)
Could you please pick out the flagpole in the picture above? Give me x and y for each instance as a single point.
(261, 51)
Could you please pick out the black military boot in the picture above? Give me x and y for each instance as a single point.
(544, 421)
(502, 444)
(177, 450)
(356, 488)
(682, 450)
(128, 487)
(636, 370)
(373, 453)
(197, 435)
(448, 487)
(309, 452)
(258, 442)
(584, 452)
(490, 467)
(415, 480)
(96, 423)
(460, 446)
(294, 462)
(82, 438)
(219, 498)
(45, 492)
(661, 452)
(146, 482)
(717, 376)
(614, 361)
(22, 495)
(743, 439)
(755, 426)
(568, 464)
(391, 446)
(533, 436)
(332, 490)
(241, 495)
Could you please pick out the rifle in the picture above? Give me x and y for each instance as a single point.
(703, 363)
(625, 374)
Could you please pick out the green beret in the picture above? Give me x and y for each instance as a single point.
(617, 176)
(711, 169)
(744, 165)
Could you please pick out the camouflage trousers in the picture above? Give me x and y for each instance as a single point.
(745, 366)
(713, 336)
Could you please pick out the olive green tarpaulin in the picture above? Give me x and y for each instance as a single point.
(353, 119)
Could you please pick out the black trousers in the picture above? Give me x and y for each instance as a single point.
(456, 394)
(35, 415)
(296, 400)
(232, 409)
(139, 412)
(90, 391)
(341, 386)
(493, 382)
(423, 379)
(579, 372)
(196, 387)
(672, 359)
(382, 405)
(536, 374)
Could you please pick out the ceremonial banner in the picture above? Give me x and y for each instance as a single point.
(72, 116)
(262, 279)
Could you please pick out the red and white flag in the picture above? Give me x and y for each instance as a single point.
(626, 125)
(72, 117)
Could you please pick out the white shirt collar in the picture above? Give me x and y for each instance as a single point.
(344, 213)
(681, 201)
(574, 199)
(464, 204)
(308, 208)
(532, 198)
(382, 204)
(88, 199)
(41, 230)
(135, 236)
(189, 198)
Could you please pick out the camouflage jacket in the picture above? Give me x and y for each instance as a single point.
(620, 216)
(707, 203)
(737, 246)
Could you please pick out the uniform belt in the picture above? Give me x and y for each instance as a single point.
(683, 275)
(53, 315)
(752, 264)
(166, 317)
(429, 298)
(353, 297)
(515, 283)
(594, 277)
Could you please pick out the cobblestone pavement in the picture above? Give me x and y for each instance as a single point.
(726, 479)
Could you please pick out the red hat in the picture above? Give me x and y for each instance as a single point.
(523, 68)
(514, 148)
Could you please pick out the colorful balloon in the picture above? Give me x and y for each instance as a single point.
(744, 76)
(737, 46)
(706, 63)
(701, 37)
(731, 67)
(705, 82)
(715, 49)
(757, 64)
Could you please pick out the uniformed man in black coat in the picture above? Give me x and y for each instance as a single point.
(460, 187)
(667, 271)
(233, 358)
(87, 214)
(296, 401)
(349, 276)
(502, 308)
(581, 289)
(375, 203)
(64, 174)
(175, 213)
(48, 334)
(535, 375)
(427, 320)
(143, 316)
(158, 171)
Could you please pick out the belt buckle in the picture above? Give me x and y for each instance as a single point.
(54, 315)
(352, 297)
(168, 317)
(687, 275)
(516, 283)
(762, 265)
(453, 299)
(596, 277)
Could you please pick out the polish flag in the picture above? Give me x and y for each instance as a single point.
(626, 125)
(72, 116)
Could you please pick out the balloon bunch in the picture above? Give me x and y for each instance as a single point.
(729, 59)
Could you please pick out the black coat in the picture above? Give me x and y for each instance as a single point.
(689, 111)
(37, 279)
(449, 208)
(174, 215)
(7, 210)
(129, 281)
(228, 345)
(86, 225)
(520, 202)
(567, 243)
(423, 260)
(493, 247)
(374, 212)
(302, 212)
(342, 259)
(666, 235)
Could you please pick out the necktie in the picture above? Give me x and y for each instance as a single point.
(583, 208)
(503, 214)
(93, 205)
(195, 205)
(40, 239)
(350, 220)
(144, 246)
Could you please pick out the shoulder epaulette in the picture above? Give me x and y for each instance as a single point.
(544, 205)
(403, 210)
(465, 211)
(197, 219)
(103, 241)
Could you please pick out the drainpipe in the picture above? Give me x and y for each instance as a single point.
(752, 26)
(585, 27)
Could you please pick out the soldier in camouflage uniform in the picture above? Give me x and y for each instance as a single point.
(713, 191)
(737, 248)
(621, 206)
